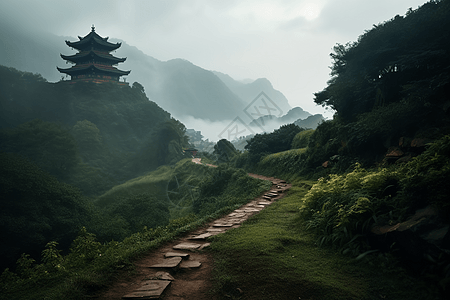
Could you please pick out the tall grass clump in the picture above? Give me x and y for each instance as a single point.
(284, 164)
(341, 209)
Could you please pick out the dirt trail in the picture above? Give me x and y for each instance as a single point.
(190, 278)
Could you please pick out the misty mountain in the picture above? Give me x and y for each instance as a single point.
(310, 122)
(292, 115)
(177, 85)
(99, 135)
(247, 91)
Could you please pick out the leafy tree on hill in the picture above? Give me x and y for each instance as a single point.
(225, 151)
(47, 144)
(396, 59)
(35, 208)
(277, 141)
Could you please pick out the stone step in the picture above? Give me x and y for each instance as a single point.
(187, 246)
(264, 202)
(266, 197)
(190, 264)
(202, 236)
(271, 195)
(177, 254)
(162, 276)
(222, 225)
(150, 289)
(237, 215)
(215, 230)
(168, 263)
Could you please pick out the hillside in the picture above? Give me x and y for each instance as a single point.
(177, 85)
(114, 131)
(247, 91)
(367, 216)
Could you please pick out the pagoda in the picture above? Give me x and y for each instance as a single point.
(93, 62)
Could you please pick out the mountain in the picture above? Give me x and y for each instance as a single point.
(178, 86)
(106, 133)
(310, 122)
(292, 115)
(247, 91)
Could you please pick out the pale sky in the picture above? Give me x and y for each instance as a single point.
(287, 42)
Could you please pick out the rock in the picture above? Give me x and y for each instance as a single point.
(264, 202)
(176, 254)
(237, 215)
(168, 263)
(215, 230)
(186, 246)
(150, 289)
(163, 276)
(190, 264)
(205, 245)
(394, 152)
(222, 225)
(201, 236)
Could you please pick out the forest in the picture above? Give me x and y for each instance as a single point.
(96, 174)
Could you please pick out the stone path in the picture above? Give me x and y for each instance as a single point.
(180, 269)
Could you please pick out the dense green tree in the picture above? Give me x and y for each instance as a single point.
(35, 208)
(224, 150)
(276, 141)
(141, 210)
(47, 144)
(394, 60)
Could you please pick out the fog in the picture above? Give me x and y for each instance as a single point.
(287, 42)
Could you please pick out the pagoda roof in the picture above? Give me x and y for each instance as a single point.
(93, 39)
(79, 57)
(85, 68)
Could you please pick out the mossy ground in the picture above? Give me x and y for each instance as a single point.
(273, 256)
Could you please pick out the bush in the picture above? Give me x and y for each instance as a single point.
(341, 209)
(301, 139)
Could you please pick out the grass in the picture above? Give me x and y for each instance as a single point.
(273, 256)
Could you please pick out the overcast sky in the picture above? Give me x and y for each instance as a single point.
(287, 42)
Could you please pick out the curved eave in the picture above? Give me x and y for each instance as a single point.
(98, 42)
(80, 57)
(92, 68)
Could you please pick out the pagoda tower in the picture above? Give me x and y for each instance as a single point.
(93, 62)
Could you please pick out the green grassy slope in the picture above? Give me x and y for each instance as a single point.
(273, 256)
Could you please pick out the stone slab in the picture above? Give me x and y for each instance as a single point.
(236, 221)
(205, 245)
(259, 206)
(215, 229)
(168, 263)
(186, 246)
(252, 209)
(190, 264)
(222, 225)
(272, 194)
(176, 254)
(267, 197)
(264, 202)
(163, 276)
(237, 215)
(201, 236)
(151, 289)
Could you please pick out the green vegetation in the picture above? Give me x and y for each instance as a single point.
(384, 156)
(273, 256)
(140, 211)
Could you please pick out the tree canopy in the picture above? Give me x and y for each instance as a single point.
(400, 58)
